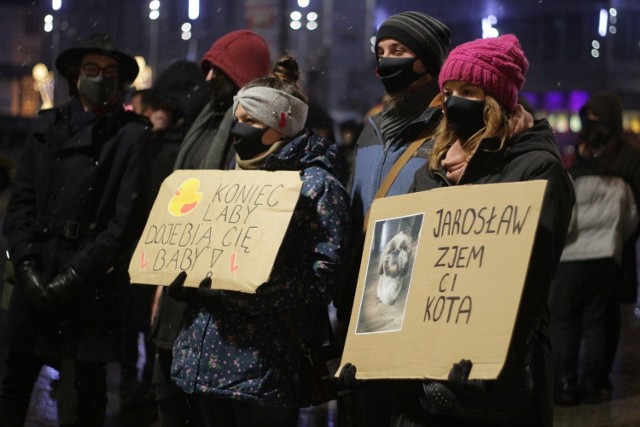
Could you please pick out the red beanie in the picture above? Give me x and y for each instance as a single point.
(242, 55)
(497, 65)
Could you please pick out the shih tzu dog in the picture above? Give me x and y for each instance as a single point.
(394, 266)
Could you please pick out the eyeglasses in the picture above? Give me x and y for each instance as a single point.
(92, 69)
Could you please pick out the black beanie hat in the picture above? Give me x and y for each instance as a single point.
(427, 37)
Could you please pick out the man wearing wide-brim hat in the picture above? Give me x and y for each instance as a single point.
(70, 224)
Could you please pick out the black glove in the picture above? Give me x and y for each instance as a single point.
(459, 376)
(32, 285)
(203, 294)
(347, 378)
(442, 397)
(438, 398)
(65, 286)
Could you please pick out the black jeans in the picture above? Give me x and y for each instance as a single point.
(233, 413)
(21, 373)
(579, 299)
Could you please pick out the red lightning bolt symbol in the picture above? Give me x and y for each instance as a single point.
(143, 262)
(234, 266)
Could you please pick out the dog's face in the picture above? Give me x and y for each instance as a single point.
(394, 261)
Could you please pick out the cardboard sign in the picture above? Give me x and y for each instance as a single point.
(224, 224)
(441, 278)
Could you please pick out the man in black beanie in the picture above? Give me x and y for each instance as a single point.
(410, 49)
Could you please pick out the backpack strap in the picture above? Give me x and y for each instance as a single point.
(397, 167)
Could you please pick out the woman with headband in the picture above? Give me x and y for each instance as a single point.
(236, 354)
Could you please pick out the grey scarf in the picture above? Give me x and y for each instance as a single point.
(207, 143)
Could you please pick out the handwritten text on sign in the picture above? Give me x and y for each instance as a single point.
(224, 224)
(449, 304)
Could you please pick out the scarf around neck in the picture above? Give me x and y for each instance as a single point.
(258, 162)
(406, 110)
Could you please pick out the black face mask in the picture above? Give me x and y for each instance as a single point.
(465, 116)
(97, 90)
(247, 140)
(221, 92)
(595, 134)
(396, 74)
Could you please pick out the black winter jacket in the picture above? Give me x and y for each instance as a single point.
(521, 395)
(75, 201)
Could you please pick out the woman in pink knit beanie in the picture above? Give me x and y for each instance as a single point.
(487, 137)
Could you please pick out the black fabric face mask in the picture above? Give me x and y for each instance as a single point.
(396, 74)
(247, 140)
(97, 90)
(595, 133)
(465, 116)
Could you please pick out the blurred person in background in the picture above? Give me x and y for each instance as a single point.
(598, 263)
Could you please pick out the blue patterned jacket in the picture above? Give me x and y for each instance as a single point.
(245, 350)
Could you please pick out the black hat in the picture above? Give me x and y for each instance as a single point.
(182, 88)
(101, 44)
(427, 37)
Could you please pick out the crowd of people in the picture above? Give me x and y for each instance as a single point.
(90, 170)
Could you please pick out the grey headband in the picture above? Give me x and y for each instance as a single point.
(278, 110)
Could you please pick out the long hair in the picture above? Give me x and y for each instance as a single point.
(497, 123)
(284, 77)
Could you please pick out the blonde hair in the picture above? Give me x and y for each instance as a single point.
(498, 123)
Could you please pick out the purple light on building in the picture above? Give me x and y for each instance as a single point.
(554, 101)
(532, 98)
(577, 98)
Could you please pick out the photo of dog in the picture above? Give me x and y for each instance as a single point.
(387, 281)
(394, 266)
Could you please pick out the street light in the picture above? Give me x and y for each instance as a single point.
(488, 29)
(154, 9)
(56, 4)
(194, 9)
(48, 23)
(296, 18)
(186, 31)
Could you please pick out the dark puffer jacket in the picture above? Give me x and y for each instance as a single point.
(245, 350)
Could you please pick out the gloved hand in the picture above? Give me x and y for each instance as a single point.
(65, 286)
(203, 294)
(32, 285)
(347, 378)
(459, 376)
(440, 397)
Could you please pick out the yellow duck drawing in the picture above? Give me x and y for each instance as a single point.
(186, 198)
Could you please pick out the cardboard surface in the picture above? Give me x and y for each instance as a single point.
(225, 224)
(441, 278)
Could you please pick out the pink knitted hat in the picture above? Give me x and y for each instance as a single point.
(497, 65)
